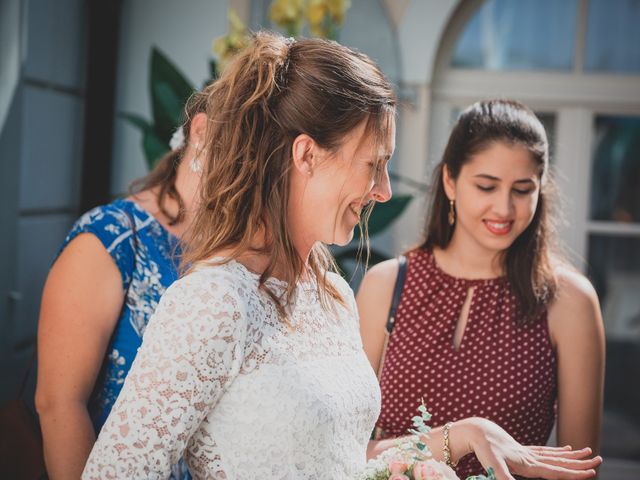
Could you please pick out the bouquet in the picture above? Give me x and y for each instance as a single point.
(411, 459)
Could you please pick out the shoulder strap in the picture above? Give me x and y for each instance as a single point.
(395, 300)
(397, 292)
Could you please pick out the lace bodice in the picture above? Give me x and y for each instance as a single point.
(222, 379)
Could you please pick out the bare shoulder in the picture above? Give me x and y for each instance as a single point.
(575, 306)
(87, 255)
(380, 278)
(573, 289)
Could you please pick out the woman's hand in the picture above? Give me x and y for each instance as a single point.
(495, 448)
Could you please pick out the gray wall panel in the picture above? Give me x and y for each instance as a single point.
(55, 46)
(49, 168)
(39, 238)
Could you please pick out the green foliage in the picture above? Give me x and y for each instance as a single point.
(170, 90)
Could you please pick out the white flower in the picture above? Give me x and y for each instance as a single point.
(177, 139)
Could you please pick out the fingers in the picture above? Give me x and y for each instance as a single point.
(570, 463)
(561, 453)
(544, 447)
(552, 472)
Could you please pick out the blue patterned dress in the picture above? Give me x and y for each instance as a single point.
(147, 258)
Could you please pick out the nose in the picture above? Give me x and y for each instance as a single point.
(503, 205)
(382, 188)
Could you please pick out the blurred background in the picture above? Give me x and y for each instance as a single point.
(70, 69)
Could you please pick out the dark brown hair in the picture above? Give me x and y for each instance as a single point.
(271, 92)
(164, 173)
(527, 261)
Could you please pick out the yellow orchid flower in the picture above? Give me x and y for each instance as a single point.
(228, 45)
(287, 14)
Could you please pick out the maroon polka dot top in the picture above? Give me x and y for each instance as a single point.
(500, 371)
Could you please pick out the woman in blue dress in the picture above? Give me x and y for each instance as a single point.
(104, 285)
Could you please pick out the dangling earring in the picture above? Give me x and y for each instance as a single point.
(452, 212)
(196, 164)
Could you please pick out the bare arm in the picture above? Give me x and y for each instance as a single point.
(495, 448)
(81, 302)
(374, 301)
(576, 328)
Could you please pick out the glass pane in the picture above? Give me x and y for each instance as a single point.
(614, 264)
(613, 36)
(519, 35)
(614, 269)
(615, 176)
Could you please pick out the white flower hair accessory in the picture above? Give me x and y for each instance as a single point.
(177, 139)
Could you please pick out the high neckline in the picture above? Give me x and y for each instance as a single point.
(433, 264)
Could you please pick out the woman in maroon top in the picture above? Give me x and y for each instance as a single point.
(490, 323)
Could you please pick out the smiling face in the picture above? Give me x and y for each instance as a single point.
(495, 195)
(331, 189)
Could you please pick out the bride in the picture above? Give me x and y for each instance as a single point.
(252, 366)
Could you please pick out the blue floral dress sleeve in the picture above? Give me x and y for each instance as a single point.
(113, 227)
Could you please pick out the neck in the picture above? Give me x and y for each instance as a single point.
(465, 258)
(187, 186)
(256, 260)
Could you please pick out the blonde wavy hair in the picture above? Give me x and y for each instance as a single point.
(273, 91)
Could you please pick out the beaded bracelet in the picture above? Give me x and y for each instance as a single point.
(445, 449)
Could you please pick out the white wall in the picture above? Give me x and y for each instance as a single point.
(185, 32)
(420, 30)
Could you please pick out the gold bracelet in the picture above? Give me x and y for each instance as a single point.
(445, 448)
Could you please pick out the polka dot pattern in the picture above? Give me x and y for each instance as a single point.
(500, 371)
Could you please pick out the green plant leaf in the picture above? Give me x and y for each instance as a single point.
(162, 70)
(213, 71)
(352, 254)
(154, 148)
(137, 121)
(169, 102)
(384, 214)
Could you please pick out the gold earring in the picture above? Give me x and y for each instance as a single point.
(452, 212)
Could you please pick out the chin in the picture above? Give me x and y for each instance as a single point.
(343, 238)
(498, 244)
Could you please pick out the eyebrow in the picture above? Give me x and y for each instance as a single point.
(491, 177)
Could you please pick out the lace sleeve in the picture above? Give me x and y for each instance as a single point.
(192, 348)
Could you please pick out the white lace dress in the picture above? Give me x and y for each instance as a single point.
(220, 379)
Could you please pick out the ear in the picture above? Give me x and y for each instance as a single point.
(198, 129)
(305, 154)
(448, 183)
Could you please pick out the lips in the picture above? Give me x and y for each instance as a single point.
(498, 228)
(357, 208)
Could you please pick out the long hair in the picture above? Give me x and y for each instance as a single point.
(273, 91)
(164, 174)
(527, 261)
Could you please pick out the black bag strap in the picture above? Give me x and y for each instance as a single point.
(397, 292)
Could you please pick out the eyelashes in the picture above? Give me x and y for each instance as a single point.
(517, 191)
